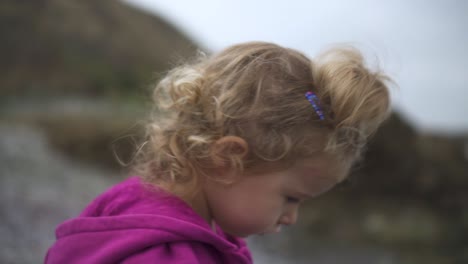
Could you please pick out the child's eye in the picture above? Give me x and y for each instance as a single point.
(291, 199)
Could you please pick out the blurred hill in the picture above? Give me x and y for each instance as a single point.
(400, 162)
(86, 47)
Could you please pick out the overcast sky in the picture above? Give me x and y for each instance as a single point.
(422, 44)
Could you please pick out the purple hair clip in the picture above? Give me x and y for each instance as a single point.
(313, 99)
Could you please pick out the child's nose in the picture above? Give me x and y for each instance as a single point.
(289, 218)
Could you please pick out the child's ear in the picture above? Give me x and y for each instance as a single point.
(228, 147)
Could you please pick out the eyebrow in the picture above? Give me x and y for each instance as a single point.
(304, 195)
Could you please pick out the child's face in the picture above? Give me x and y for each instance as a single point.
(262, 203)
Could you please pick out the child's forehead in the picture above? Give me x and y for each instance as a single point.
(322, 165)
(312, 177)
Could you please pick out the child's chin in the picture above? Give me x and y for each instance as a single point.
(238, 234)
(269, 231)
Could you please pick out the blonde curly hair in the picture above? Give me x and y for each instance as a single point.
(256, 91)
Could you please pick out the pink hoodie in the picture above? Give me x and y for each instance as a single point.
(133, 224)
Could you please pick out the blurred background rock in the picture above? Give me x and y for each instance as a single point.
(74, 87)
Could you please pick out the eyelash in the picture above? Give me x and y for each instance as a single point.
(290, 199)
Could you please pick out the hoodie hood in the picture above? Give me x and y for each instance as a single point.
(133, 221)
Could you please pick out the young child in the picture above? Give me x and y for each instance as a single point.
(241, 139)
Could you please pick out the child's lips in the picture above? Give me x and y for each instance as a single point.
(277, 229)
